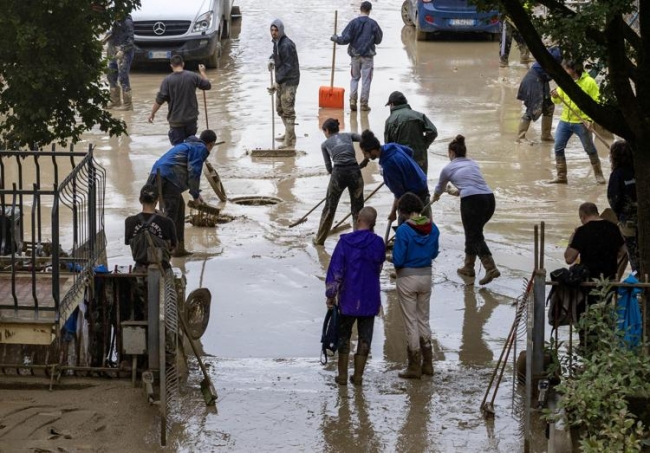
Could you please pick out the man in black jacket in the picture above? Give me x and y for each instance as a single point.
(284, 61)
(362, 34)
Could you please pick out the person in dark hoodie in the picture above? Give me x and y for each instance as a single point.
(416, 246)
(477, 205)
(341, 163)
(410, 128)
(621, 194)
(401, 173)
(352, 283)
(362, 34)
(180, 169)
(284, 60)
(535, 92)
(120, 52)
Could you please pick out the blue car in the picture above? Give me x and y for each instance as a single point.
(455, 16)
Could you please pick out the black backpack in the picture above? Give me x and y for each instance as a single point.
(564, 298)
(141, 249)
(330, 337)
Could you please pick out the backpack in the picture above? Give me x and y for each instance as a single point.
(564, 298)
(330, 336)
(141, 245)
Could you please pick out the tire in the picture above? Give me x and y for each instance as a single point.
(406, 17)
(225, 30)
(213, 60)
(215, 181)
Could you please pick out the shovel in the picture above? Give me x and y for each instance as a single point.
(207, 389)
(303, 219)
(340, 226)
(330, 96)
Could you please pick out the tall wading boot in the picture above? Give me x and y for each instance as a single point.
(491, 271)
(180, 250)
(547, 125)
(127, 101)
(427, 356)
(598, 171)
(289, 135)
(280, 138)
(524, 124)
(524, 55)
(342, 377)
(468, 268)
(414, 368)
(560, 166)
(115, 98)
(359, 366)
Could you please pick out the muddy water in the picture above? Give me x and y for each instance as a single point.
(267, 279)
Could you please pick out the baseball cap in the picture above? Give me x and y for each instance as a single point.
(397, 98)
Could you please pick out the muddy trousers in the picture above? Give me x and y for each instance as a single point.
(475, 212)
(365, 329)
(361, 68)
(343, 177)
(414, 295)
(118, 70)
(508, 32)
(285, 107)
(174, 205)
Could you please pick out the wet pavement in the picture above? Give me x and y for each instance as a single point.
(267, 279)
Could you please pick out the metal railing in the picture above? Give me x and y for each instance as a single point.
(71, 186)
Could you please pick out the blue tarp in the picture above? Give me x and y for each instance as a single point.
(629, 314)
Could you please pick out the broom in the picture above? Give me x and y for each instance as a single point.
(330, 96)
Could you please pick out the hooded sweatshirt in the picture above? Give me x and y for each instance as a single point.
(353, 273)
(182, 165)
(416, 245)
(401, 173)
(285, 57)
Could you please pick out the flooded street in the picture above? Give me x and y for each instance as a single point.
(267, 280)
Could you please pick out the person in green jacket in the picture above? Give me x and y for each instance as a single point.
(407, 127)
(574, 121)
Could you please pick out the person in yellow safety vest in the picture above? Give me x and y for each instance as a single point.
(574, 121)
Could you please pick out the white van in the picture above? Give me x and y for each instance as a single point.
(192, 29)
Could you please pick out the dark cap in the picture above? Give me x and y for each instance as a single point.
(396, 98)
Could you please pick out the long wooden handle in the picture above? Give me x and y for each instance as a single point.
(303, 218)
(272, 114)
(205, 108)
(336, 15)
(349, 213)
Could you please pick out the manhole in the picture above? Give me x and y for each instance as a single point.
(255, 201)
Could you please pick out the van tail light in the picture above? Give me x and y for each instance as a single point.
(427, 1)
(494, 20)
(429, 19)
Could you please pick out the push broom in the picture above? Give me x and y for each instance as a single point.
(330, 96)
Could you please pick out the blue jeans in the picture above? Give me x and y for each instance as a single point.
(564, 132)
(120, 71)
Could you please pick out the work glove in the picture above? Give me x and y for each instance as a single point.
(271, 64)
(451, 190)
(364, 163)
(273, 89)
(334, 37)
(119, 53)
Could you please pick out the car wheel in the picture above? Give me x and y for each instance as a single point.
(406, 17)
(419, 34)
(225, 30)
(213, 61)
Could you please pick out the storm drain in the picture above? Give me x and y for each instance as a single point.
(255, 201)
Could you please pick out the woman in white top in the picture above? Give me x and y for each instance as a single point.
(477, 206)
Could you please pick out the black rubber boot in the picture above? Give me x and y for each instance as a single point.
(414, 367)
(359, 366)
(342, 378)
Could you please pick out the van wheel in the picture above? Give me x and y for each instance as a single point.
(406, 17)
(225, 30)
(213, 61)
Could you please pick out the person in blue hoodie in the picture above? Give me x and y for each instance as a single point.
(180, 170)
(400, 171)
(362, 34)
(352, 283)
(416, 246)
(535, 92)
